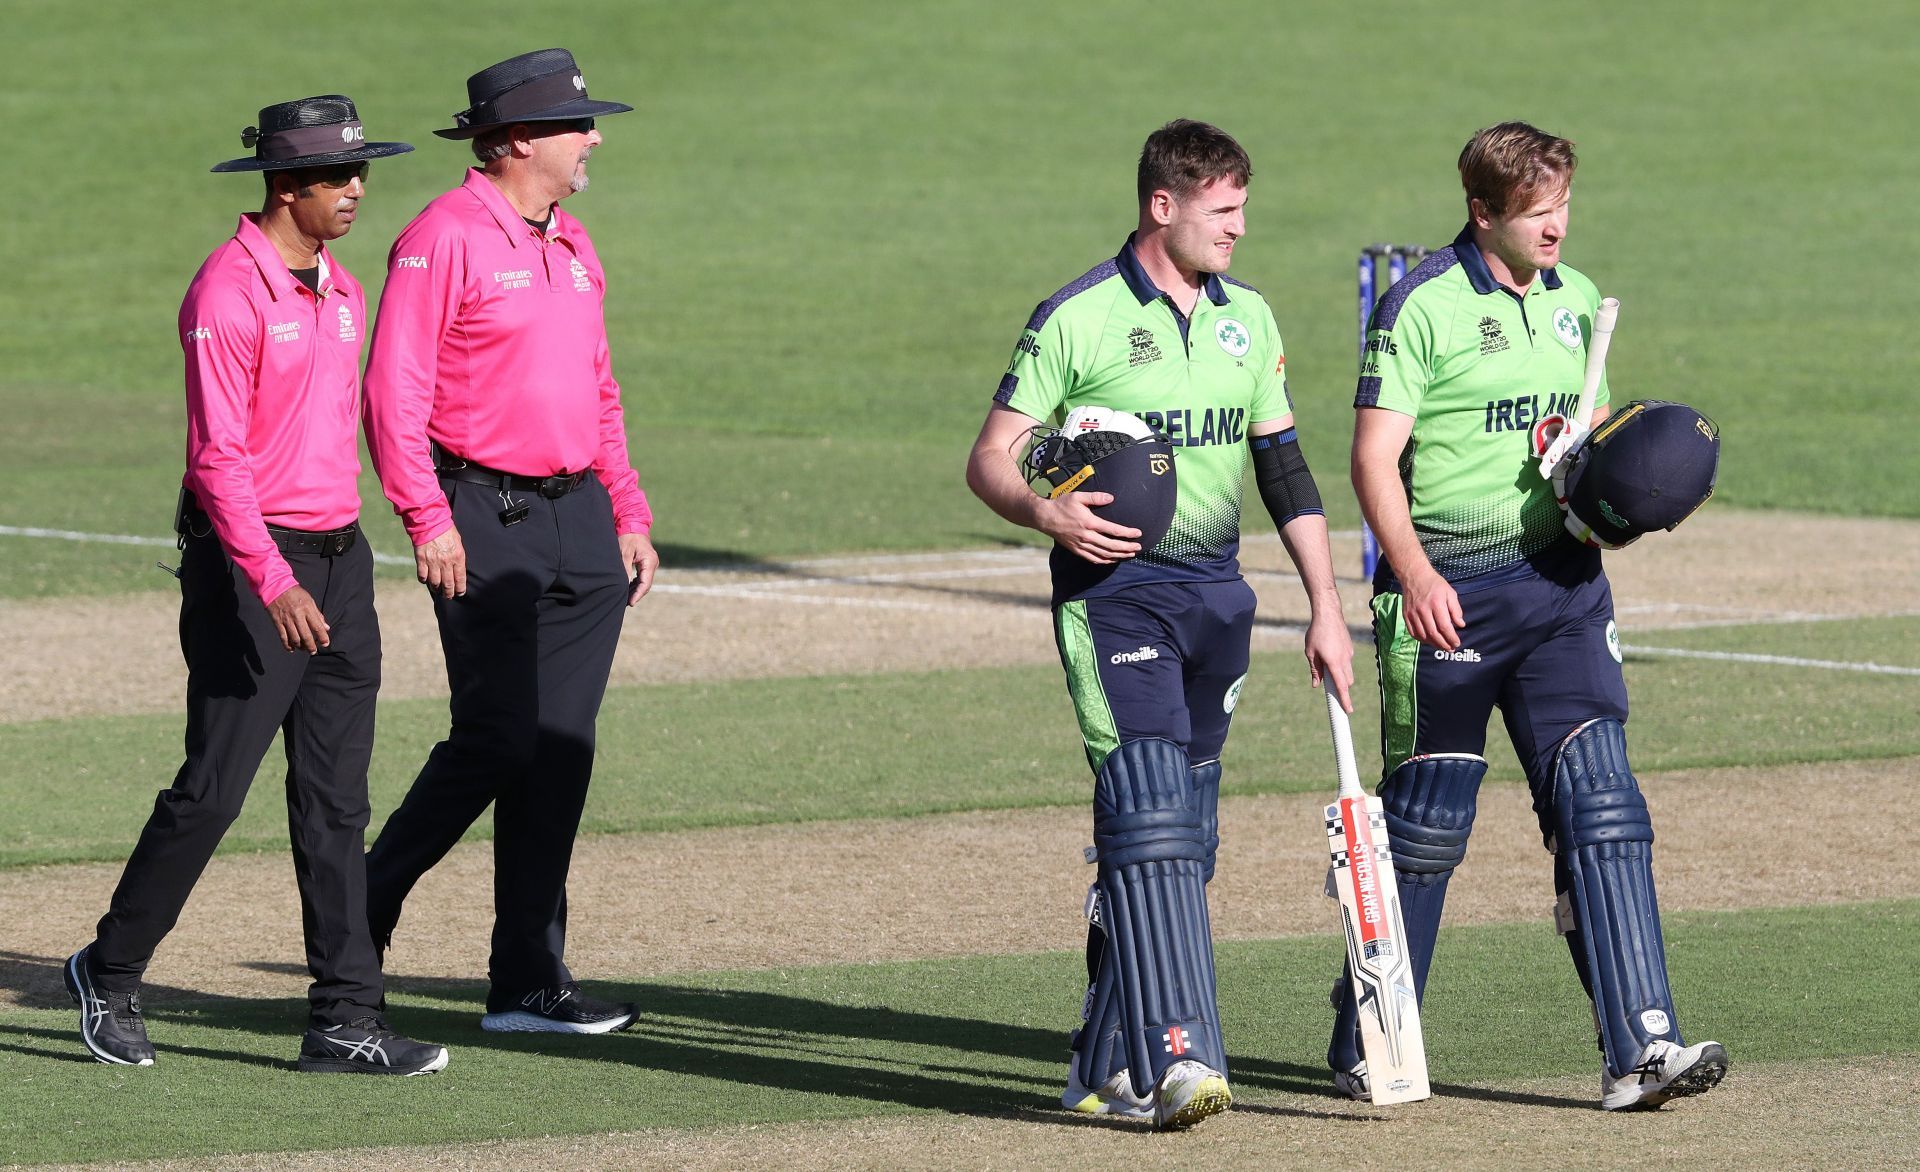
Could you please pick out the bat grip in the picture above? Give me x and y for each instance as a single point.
(1343, 760)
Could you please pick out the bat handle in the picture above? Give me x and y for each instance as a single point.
(1343, 760)
(1604, 319)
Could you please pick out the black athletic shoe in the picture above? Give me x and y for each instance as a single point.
(110, 1023)
(557, 1009)
(367, 1046)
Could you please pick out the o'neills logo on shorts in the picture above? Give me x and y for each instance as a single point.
(1464, 655)
(1140, 656)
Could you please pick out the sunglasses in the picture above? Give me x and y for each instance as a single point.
(333, 177)
(563, 126)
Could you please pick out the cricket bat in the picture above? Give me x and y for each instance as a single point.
(1361, 879)
(1582, 422)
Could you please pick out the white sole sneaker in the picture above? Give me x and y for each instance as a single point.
(1665, 1071)
(1113, 1097)
(1189, 1092)
(519, 1021)
(1354, 1084)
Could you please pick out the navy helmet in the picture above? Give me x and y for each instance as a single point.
(1649, 466)
(1103, 450)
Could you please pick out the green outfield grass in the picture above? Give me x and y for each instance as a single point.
(801, 749)
(981, 1036)
(827, 223)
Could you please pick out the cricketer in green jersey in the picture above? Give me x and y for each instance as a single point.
(1155, 641)
(1484, 600)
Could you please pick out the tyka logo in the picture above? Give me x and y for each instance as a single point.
(410, 262)
(199, 334)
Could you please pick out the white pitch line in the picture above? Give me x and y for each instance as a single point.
(385, 559)
(1008, 561)
(812, 599)
(1775, 660)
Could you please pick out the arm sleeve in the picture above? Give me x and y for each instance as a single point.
(631, 513)
(426, 272)
(221, 338)
(1042, 374)
(1400, 356)
(1271, 398)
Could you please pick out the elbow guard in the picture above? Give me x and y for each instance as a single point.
(1286, 485)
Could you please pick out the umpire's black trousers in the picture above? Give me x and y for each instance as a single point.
(242, 688)
(528, 650)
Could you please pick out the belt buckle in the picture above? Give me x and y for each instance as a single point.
(555, 487)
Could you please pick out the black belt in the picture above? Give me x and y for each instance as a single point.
(454, 467)
(330, 544)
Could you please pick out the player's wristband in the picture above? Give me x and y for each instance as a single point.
(1280, 471)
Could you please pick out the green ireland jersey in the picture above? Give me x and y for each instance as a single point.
(1477, 366)
(1112, 339)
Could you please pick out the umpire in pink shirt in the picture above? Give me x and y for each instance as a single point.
(276, 598)
(494, 421)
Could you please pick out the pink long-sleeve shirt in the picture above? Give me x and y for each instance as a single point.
(492, 342)
(273, 400)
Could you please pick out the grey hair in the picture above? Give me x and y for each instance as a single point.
(493, 145)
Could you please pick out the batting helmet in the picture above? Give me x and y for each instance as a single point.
(1114, 452)
(1647, 467)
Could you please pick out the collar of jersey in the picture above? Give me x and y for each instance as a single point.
(280, 280)
(510, 221)
(1143, 287)
(1478, 272)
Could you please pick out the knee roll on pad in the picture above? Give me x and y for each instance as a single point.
(1604, 843)
(1429, 802)
(1152, 851)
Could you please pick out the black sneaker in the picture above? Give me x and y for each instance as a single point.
(110, 1023)
(367, 1046)
(557, 1009)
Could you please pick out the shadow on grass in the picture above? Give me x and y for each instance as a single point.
(1293, 1078)
(774, 1040)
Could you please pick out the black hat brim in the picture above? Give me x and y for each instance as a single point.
(359, 154)
(566, 112)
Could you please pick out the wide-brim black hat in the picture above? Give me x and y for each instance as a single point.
(542, 86)
(311, 132)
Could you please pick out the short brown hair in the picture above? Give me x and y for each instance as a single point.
(1183, 156)
(1513, 164)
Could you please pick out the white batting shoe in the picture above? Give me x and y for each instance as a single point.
(1665, 1071)
(1354, 1083)
(1112, 1097)
(1189, 1092)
